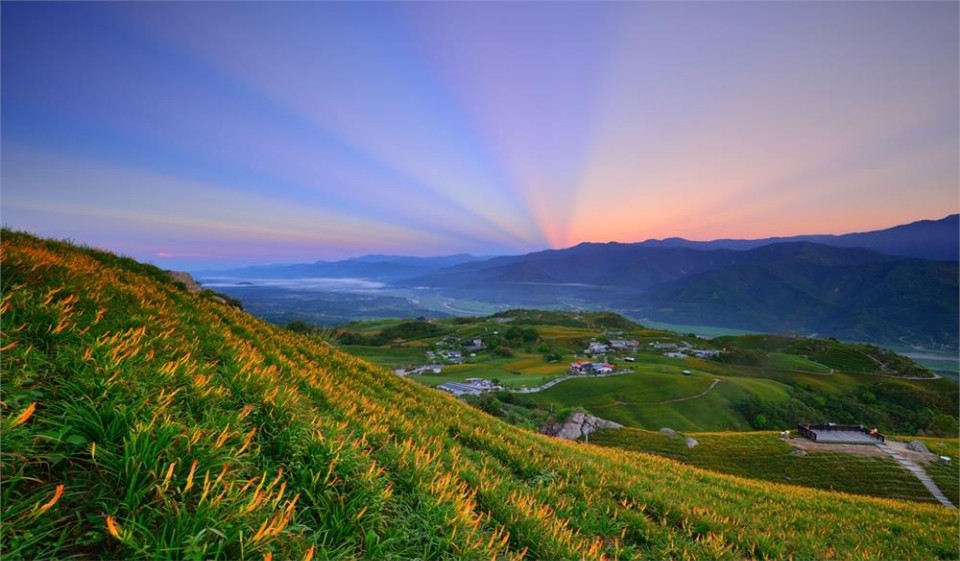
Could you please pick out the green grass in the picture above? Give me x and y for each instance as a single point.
(847, 360)
(763, 455)
(396, 357)
(755, 350)
(783, 361)
(524, 369)
(143, 422)
(637, 399)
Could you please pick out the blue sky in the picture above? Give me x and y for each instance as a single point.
(213, 134)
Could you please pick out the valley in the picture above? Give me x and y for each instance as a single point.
(898, 289)
(754, 381)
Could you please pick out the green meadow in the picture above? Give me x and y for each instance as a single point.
(659, 397)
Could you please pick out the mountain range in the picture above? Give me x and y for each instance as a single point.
(898, 285)
(925, 239)
(382, 268)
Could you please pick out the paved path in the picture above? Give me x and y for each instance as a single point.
(916, 470)
(677, 400)
(688, 398)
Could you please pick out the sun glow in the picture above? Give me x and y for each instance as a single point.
(305, 131)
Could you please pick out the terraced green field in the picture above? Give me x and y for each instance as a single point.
(763, 455)
(794, 363)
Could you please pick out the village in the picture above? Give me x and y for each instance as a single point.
(598, 359)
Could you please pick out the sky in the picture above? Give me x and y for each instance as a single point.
(214, 134)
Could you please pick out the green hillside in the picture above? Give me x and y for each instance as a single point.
(655, 400)
(827, 354)
(141, 421)
(757, 382)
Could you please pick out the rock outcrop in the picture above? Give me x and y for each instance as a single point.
(690, 442)
(188, 281)
(917, 446)
(578, 425)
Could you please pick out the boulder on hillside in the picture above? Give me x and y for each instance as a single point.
(578, 425)
(187, 280)
(691, 442)
(668, 431)
(917, 446)
(799, 452)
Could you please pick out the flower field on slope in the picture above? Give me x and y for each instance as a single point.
(141, 421)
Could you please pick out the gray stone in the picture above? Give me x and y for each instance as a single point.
(690, 442)
(668, 431)
(799, 452)
(578, 425)
(917, 446)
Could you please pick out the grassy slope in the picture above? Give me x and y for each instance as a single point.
(179, 428)
(715, 411)
(846, 357)
(638, 399)
(762, 455)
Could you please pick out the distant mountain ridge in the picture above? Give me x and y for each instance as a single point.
(898, 285)
(798, 287)
(925, 239)
(383, 268)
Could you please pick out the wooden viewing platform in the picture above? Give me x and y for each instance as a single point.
(840, 434)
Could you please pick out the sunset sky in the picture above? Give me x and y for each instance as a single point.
(198, 135)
